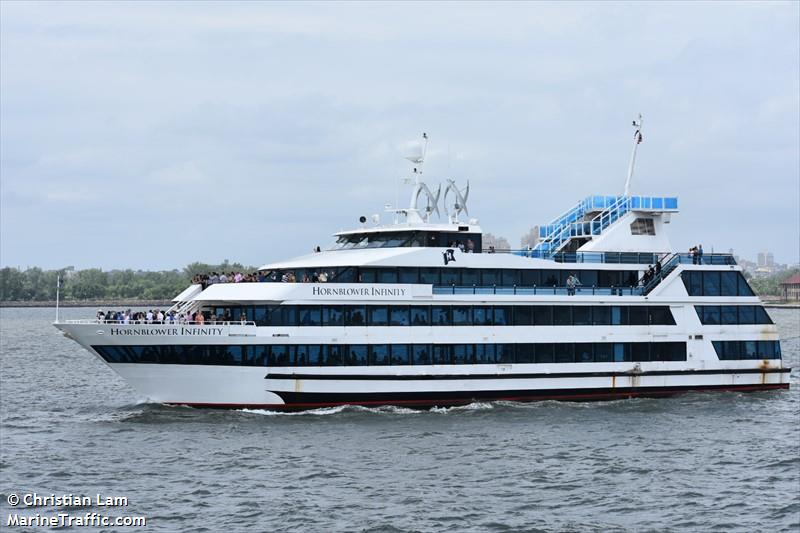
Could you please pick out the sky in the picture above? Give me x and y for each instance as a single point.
(151, 135)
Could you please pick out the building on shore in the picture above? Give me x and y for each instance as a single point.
(790, 289)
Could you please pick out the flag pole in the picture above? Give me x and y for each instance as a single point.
(58, 294)
(637, 139)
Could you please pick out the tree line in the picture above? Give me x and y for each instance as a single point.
(37, 285)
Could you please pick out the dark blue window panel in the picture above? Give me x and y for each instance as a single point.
(543, 315)
(601, 315)
(429, 276)
(502, 315)
(564, 353)
(526, 353)
(638, 315)
(711, 283)
(489, 277)
(562, 315)
(604, 352)
(310, 315)
(357, 355)
(463, 354)
(582, 315)
(761, 316)
(747, 314)
(584, 352)
(387, 275)
(545, 353)
(640, 351)
(462, 315)
(729, 315)
(482, 316)
(711, 314)
(744, 287)
(378, 315)
(470, 277)
(485, 353)
(441, 354)
(421, 354)
(451, 276)
(399, 315)
(334, 354)
(355, 315)
(729, 283)
(420, 315)
(440, 315)
(401, 354)
(367, 275)
(333, 315)
(523, 315)
(379, 354)
(504, 353)
(619, 315)
(408, 275)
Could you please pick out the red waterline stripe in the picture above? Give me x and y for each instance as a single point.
(439, 402)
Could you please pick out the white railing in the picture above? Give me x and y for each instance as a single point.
(160, 323)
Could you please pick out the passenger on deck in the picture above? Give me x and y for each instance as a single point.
(572, 283)
(699, 254)
(470, 246)
(658, 268)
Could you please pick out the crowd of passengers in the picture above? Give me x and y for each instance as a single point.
(156, 316)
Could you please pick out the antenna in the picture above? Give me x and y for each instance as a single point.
(637, 140)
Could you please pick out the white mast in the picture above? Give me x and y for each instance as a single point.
(637, 139)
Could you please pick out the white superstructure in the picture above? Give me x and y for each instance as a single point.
(420, 313)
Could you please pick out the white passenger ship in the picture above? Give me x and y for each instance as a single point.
(421, 314)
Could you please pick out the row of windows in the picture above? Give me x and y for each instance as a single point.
(399, 239)
(394, 354)
(453, 275)
(715, 283)
(450, 315)
(732, 314)
(727, 350)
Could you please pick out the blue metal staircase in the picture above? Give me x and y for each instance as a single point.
(592, 215)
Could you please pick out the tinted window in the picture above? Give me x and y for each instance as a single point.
(504, 353)
(638, 316)
(583, 352)
(711, 284)
(451, 276)
(711, 314)
(399, 316)
(355, 315)
(484, 353)
(549, 278)
(440, 354)
(470, 276)
(523, 315)
(462, 315)
(530, 277)
(429, 275)
(463, 354)
(401, 354)
(604, 352)
(367, 275)
(543, 315)
(489, 277)
(640, 351)
(619, 316)
(729, 281)
(545, 353)
(562, 315)
(310, 315)
(379, 354)
(420, 316)
(744, 288)
(482, 316)
(761, 316)
(440, 315)
(408, 275)
(601, 315)
(357, 354)
(333, 315)
(334, 354)
(378, 315)
(728, 315)
(510, 277)
(747, 314)
(661, 315)
(526, 353)
(564, 353)
(502, 315)
(582, 315)
(421, 354)
(387, 275)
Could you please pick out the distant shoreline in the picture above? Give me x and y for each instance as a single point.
(100, 304)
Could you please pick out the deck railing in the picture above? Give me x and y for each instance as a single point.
(208, 322)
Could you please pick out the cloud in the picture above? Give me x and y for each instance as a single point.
(256, 130)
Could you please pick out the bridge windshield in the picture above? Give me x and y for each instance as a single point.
(469, 242)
